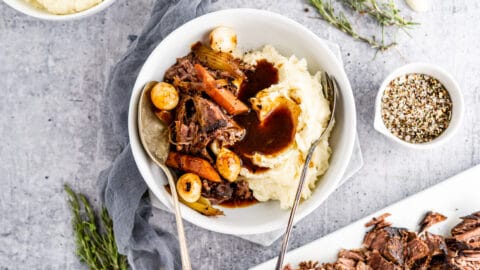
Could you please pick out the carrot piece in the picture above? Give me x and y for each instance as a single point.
(223, 97)
(193, 164)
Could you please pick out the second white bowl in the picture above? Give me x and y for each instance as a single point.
(450, 84)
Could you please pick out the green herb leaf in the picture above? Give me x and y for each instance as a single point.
(385, 14)
(94, 236)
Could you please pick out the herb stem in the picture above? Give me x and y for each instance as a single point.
(385, 13)
(341, 22)
(95, 248)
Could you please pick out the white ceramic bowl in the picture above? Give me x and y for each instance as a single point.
(28, 9)
(450, 84)
(254, 28)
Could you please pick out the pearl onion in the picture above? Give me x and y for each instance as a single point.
(223, 39)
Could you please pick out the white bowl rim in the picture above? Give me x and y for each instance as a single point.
(328, 188)
(44, 15)
(445, 77)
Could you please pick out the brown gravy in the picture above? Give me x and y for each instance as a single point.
(275, 132)
(228, 204)
(238, 203)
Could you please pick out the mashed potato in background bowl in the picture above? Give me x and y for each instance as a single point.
(295, 83)
(59, 10)
(63, 7)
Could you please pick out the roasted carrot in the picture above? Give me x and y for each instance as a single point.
(223, 97)
(192, 164)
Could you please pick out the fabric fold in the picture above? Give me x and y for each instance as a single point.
(121, 186)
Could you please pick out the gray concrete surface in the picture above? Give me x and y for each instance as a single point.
(53, 129)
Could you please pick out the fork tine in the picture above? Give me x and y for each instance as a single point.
(329, 88)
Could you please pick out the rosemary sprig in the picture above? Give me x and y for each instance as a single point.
(385, 13)
(96, 249)
(341, 22)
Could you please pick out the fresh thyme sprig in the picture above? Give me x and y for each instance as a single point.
(341, 22)
(385, 13)
(98, 250)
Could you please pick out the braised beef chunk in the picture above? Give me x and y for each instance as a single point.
(198, 122)
(465, 260)
(468, 223)
(216, 123)
(242, 191)
(391, 248)
(436, 244)
(415, 250)
(218, 193)
(466, 235)
(182, 70)
(354, 254)
(430, 219)
(379, 222)
(376, 261)
(209, 115)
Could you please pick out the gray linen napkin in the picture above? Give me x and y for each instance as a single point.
(121, 185)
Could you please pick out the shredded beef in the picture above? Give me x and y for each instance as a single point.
(377, 261)
(468, 223)
(430, 219)
(198, 122)
(415, 250)
(183, 70)
(391, 248)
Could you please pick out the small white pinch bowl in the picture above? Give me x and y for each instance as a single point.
(28, 9)
(453, 89)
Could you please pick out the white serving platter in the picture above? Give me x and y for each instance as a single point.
(456, 197)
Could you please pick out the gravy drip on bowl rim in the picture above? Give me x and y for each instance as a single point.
(416, 108)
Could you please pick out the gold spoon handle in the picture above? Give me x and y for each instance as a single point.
(182, 240)
(148, 124)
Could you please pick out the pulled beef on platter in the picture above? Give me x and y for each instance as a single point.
(430, 219)
(391, 248)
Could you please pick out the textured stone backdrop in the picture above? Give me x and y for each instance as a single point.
(53, 131)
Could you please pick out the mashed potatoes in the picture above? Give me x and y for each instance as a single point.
(63, 7)
(298, 85)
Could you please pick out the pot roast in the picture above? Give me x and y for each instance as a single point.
(391, 248)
